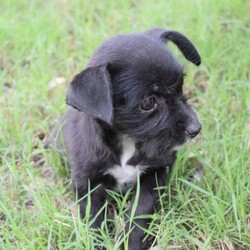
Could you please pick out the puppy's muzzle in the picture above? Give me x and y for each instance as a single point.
(193, 129)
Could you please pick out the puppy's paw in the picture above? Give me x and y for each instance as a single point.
(197, 176)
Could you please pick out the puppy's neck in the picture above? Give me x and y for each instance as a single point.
(128, 150)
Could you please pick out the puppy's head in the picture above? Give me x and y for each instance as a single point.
(134, 84)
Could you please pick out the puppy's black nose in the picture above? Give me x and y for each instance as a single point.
(193, 129)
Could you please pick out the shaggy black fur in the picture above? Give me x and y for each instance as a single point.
(132, 86)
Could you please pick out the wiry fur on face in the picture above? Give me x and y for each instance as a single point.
(131, 88)
(158, 79)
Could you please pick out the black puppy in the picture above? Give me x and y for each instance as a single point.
(129, 116)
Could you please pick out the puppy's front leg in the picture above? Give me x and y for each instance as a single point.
(97, 200)
(147, 199)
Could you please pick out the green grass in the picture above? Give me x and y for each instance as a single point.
(43, 40)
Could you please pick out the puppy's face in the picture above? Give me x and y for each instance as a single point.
(135, 84)
(149, 103)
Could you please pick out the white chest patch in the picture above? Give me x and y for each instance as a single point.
(126, 175)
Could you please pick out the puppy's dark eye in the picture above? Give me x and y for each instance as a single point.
(148, 104)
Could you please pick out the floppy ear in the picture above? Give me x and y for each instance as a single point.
(90, 92)
(182, 42)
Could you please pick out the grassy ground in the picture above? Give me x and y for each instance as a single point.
(42, 42)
